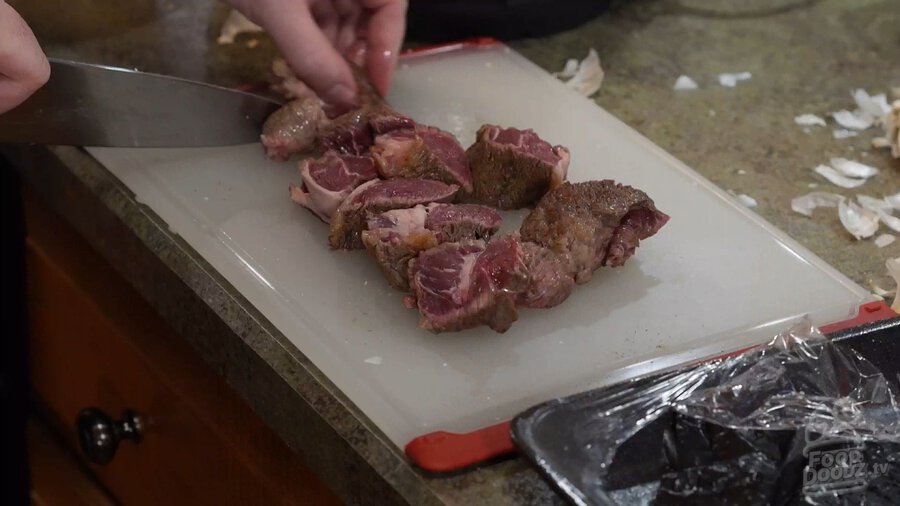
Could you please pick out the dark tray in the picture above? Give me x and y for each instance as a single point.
(545, 434)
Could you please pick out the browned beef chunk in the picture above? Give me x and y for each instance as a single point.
(513, 168)
(385, 119)
(454, 222)
(349, 133)
(465, 284)
(327, 181)
(423, 152)
(307, 123)
(592, 224)
(395, 237)
(638, 224)
(354, 132)
(292, 129)
(377, 197)
(549, 279)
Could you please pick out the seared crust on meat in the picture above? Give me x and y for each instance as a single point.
(507, 176)
(549, 280)
(292, 128)
(578, 221)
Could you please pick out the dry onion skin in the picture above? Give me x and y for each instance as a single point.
(835, 177)
(809, 120)
(685, 83)
(859, 221)
(805, 204)
(235, 24)
(884, 240)
(586, 76)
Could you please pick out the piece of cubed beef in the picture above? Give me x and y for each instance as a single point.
(592, 224)
(549, 279)
(378, 196)
(328, 180)
(513, 168)
(306, 122)
(292, 129)
(465, 284)
(395, 237)
(423, 152)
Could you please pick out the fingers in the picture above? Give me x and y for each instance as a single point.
(325, 15)
(356, 53)
(23, 66)
(384, 34)
(313, 34)
(349, 12)
(306, 48)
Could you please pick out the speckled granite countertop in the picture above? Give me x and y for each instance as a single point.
(805, 56)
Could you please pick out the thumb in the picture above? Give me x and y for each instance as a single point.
(23, 66)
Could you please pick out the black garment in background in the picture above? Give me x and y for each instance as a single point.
(14, 386)
(436, 21)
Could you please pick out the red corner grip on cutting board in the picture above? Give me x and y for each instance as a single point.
(448, 451)
(868, 313)
(450, 46)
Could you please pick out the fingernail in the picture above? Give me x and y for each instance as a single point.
(341, 94)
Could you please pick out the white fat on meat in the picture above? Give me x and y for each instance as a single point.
(465, 278)
(558, 174)
(390, 149)
(407, 221)
(321, 201)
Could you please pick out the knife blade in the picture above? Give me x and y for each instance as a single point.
(93, 105)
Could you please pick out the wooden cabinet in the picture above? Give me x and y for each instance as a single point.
(95, 343)
(56, 478)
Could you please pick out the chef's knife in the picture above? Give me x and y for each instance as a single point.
(92, 105)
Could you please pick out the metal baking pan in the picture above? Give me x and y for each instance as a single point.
(643, 465)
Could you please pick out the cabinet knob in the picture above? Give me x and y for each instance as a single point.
(99, 435)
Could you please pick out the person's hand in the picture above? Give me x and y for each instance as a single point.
(23, 66)
(315, 36)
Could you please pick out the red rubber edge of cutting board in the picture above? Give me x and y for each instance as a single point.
(450, 46)
(256, 87)
(868, 313)
(447, 451)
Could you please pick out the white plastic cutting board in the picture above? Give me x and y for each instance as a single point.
(716, 277)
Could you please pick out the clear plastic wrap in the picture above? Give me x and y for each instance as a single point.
(799, 420)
